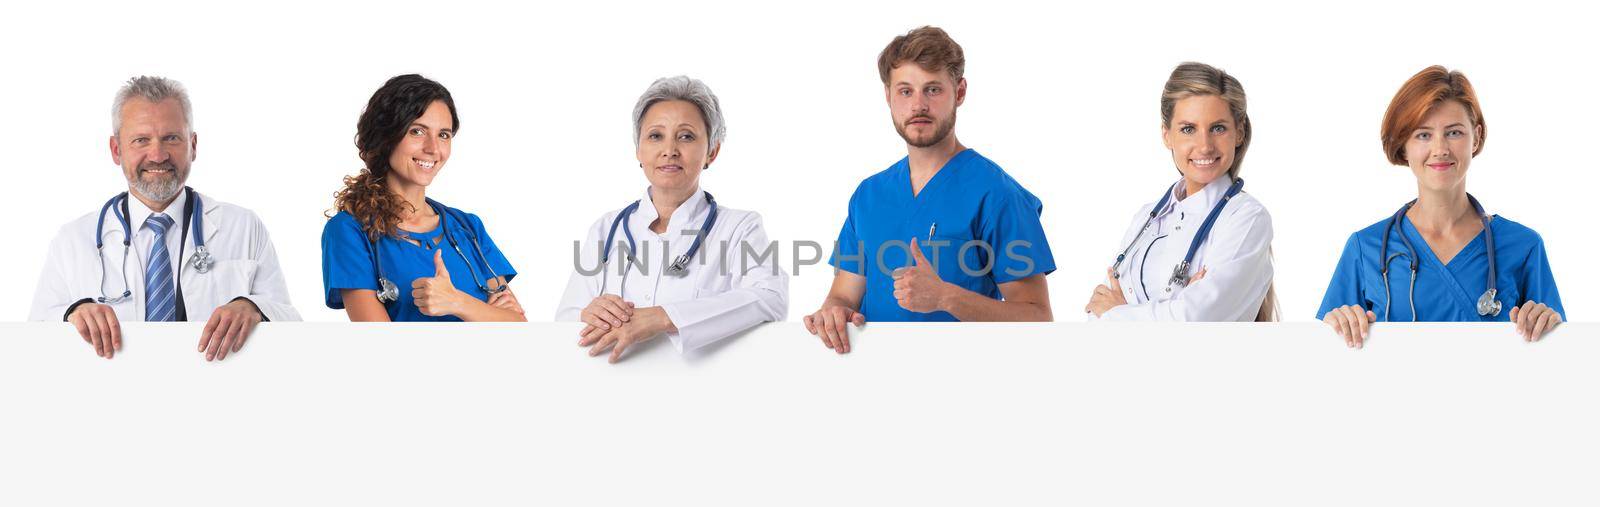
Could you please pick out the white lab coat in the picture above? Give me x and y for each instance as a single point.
(1236, 257)
(718, 297)
(246, 265)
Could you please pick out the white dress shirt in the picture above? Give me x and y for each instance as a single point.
(1236, 256)
(718, 297)
(245, 264)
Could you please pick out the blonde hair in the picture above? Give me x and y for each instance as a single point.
(1191, 79)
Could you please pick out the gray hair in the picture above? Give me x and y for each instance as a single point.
(689, 90)
(153, 89)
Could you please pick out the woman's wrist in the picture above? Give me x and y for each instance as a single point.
(656, 319)
(470, 309)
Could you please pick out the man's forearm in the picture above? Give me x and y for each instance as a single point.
(968, 306)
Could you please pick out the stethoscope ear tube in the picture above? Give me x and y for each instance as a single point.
(446, 212)
(193, 215)
(1487, 304)
(1180, 272)
(193, 218)
(1160, 203)
(388, 292)
(194, 211)
(605, 252)
(679, 266)
(99, 247)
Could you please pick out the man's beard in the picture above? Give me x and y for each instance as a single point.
(161, 189)
(941, 130)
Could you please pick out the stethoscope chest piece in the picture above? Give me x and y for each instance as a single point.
(387, 291)
(1180, 275)
(202, 260)
(1488, 306)
(679, 267)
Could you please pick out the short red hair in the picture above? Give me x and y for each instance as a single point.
(1417, 98)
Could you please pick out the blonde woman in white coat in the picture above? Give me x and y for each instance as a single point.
(1163, 273)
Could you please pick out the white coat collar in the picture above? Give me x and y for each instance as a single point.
(687, 216)
(138, 213)
(213, 219)
(1202, 201)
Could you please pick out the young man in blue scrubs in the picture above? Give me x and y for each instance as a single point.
(944, 234)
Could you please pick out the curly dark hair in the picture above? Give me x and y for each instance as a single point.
(382, 126)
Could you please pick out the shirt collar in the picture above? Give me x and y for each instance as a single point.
(682, 218)
(1202, 201)
(138, 212)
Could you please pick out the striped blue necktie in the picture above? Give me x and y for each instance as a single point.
(159, 294)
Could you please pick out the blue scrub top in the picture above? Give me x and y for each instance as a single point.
(1444, 292)
(347, 262)
(974, 204)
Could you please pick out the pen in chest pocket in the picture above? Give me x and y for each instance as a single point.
(931, 228)
(910, 262)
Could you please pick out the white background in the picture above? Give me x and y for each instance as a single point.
(1063, 96)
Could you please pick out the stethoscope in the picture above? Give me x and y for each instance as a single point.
(1488, 306)
(193, 217)
(678, 267)
(389, 293)
(1180, 273)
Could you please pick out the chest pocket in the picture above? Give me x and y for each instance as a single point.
(961, 258)
(713, 286)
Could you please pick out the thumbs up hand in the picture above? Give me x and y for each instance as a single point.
(436, 296)
(439, 271)
(918, 287)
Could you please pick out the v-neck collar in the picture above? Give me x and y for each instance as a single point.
(916, 197)
(426, 240)
(1471, 248)
(1450, 279)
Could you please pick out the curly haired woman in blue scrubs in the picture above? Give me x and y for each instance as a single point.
(1441, 257)
(393, 254)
